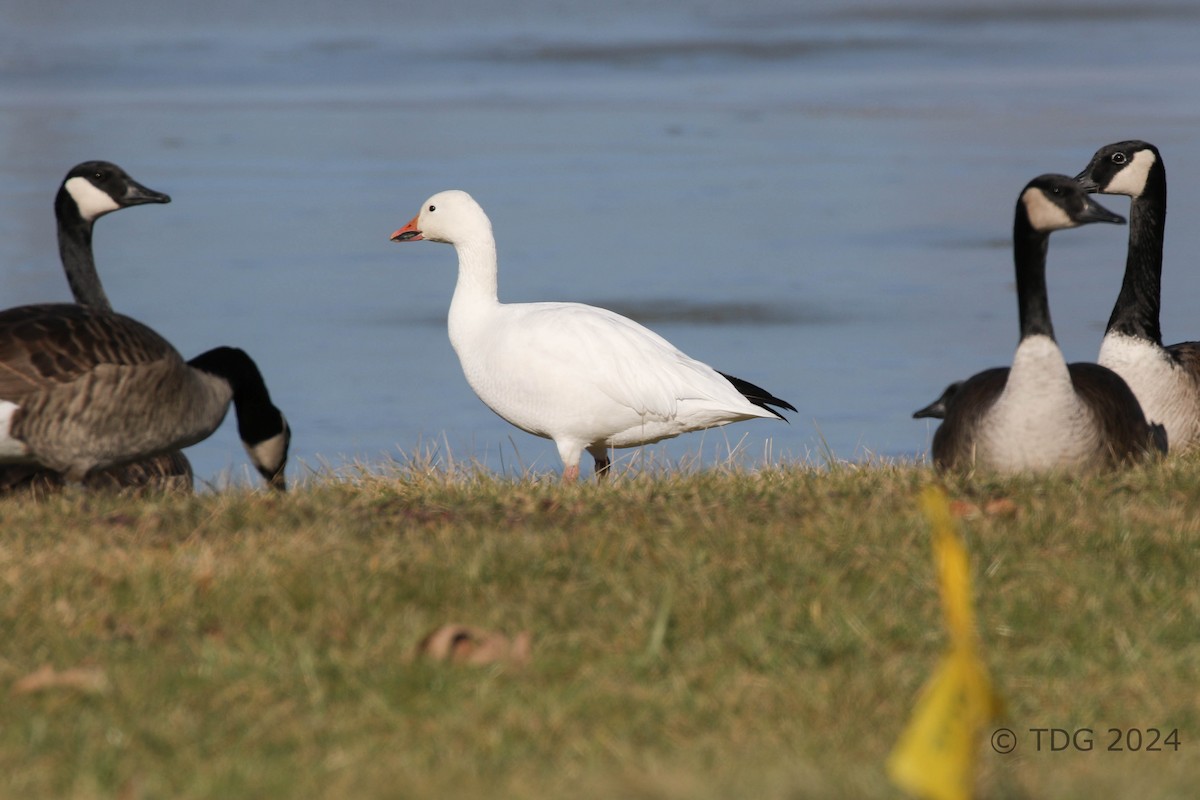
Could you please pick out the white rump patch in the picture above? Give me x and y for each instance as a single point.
(92, 202)
(1044, 214)
(10, 448)
(1131, 180)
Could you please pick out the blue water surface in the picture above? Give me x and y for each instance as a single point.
(813, 196)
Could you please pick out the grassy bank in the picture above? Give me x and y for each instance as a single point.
(719, 634)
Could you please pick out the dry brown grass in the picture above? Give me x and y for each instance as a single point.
(712, 634)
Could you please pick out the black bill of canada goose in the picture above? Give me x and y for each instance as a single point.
(1166, 379)
(1042, 414)
(89, 191)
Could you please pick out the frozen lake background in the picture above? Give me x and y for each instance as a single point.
(814, 196)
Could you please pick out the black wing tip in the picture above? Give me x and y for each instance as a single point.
(759, 396)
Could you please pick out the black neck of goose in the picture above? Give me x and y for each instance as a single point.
(258, 418)
(1029, 254)
(1138, 305)
(75, 250)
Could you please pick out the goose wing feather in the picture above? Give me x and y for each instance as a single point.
(621, 360)
(1116, 410)
(954, 441)
(80, 379)
(43, 346)
(1187, 355)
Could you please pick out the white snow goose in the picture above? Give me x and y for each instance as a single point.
(584, 377)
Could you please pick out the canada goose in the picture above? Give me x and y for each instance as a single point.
(83, 390)
(585, 377)
(1166, 380)
(1041, 413)
(89, 191)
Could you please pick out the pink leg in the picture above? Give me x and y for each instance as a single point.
(570, 474)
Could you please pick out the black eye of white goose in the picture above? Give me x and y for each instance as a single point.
(433, 208)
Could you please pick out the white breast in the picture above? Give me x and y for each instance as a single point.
(1038, 422)
(1167, 393)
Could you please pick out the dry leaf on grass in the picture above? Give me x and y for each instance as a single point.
(1000, 507)
(89, 680)
(964, 509)
(996, 507)
(463, 644)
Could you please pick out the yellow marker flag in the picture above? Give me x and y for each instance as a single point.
(935, 755)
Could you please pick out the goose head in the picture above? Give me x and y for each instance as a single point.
(1056, 202)
(1120, 168)
(451, 217)
(937, 409)
(263, 429)
(96, 188)
(269, 454)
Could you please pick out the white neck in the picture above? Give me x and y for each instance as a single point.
(475, 292)
(477, 269)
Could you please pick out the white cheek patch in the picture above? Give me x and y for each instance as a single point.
(1044, 214)
(10, 448)
(1132, 179)
(270, 452)
(92, 202)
